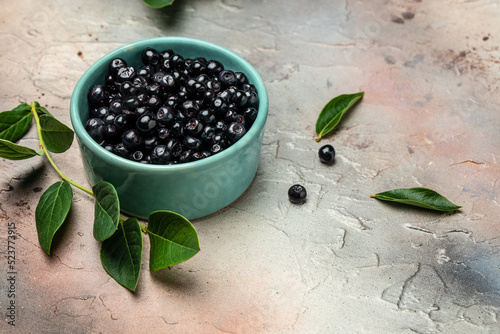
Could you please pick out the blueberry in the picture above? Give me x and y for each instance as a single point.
(145, 71)
(109, 118)
(192, 143)
(198, 156)
(115, 64)
(95, 128)
(177, 129)
(98, 96)
(99, 112)
(327, 154)
(241, 78)
(127, 89)
(111, 134)
(193, 127)
(185, 156)
(131, 139)
(125, 74)
(216, 148)
(120, 150)
(235, 131)
(165, 54)
(116, 106)
(146, 123)
(168, 83)
(177, 60)
(189, 108)
(219, 105)
(141, 110)
(150, 142)
(214, 85)
(165, 115)
(163, 133)
(214, 67)
(122, 122)
(207, 117)
(220, 126)
(208, 134)
(174, 146)
(131, 103)
(136, 156)
(297, 194)
(250, 114)
(160, 155)
(150, 56)
(203, 78)
(240, 98)
(198, 66)
(153, 102)
(227, 78)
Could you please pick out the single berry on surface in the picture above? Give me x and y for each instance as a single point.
(297, 194)
(327, 154)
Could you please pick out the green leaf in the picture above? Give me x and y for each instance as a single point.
(15, 123)
(107, 210)
(22, 107)
(11, 151)
(51, 212)
(333, 111)
(173, 239)
(422, 197)
(121, 254)
(57, 137)
(41, 109)
(158, 3)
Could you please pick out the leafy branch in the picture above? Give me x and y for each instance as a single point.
(173, 238)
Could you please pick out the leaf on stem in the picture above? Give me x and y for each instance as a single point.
(121, 254)
(15, 123)
(421, 197)
(11, 151)
(41, 109)
(51, 212)
(158, 3)
(173, 239)
(333, 111)
(107, 210)
(57, 137)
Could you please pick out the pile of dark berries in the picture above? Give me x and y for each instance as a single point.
(170, 110)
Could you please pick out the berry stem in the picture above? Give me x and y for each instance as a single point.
(47, 154)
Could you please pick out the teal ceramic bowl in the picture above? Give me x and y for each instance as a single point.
(195, 189)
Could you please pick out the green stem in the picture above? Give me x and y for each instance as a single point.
(47, 154)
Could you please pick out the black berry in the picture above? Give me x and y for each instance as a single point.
(297, 194)
(327, 154)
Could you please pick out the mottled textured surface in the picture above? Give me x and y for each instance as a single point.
(340, 263)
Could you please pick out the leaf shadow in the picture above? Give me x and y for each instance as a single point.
(170, 16)
(31, 178)
(175, 278)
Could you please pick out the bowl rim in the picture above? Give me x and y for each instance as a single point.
(102, 153)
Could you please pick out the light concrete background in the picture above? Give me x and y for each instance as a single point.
(340, 263)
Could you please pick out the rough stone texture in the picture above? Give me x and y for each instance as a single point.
(340, 263)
